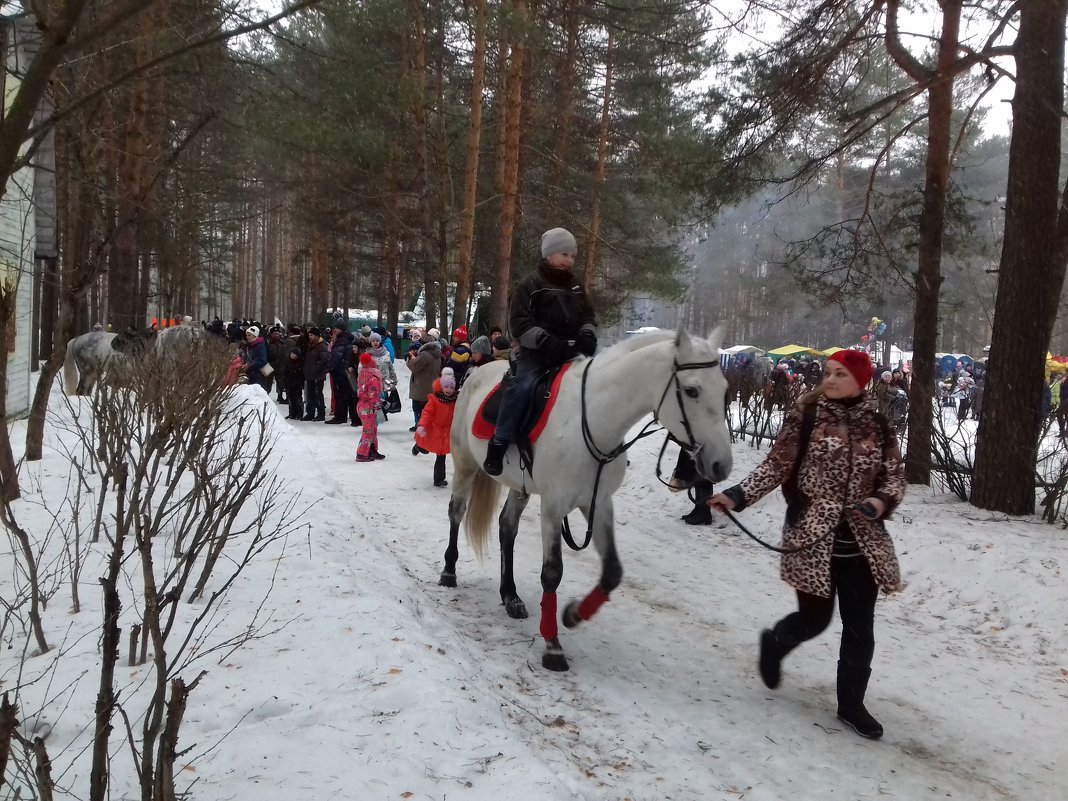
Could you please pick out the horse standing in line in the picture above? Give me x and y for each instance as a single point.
(88, 356)
(675, 377)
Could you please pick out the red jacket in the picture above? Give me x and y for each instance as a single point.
(437, 420)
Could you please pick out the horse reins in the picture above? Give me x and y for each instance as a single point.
(603, 458)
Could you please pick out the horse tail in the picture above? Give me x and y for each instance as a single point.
(480, 508)
(70, 370)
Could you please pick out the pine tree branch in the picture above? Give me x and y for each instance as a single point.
(221, 36)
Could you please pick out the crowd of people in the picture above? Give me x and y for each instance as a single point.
(297, 363)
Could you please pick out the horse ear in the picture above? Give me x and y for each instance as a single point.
(715, 339)
(682, 340)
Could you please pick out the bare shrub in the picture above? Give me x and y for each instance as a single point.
(179, 476)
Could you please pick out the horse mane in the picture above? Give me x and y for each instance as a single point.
(636, 342)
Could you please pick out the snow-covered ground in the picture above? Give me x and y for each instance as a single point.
(382, 685)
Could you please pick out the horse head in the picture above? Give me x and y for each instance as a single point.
(694, 405)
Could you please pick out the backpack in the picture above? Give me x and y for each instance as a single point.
(795, 500)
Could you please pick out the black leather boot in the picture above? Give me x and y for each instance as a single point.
(701, 514)
(494, 464)
(775, 644)
(852, 685)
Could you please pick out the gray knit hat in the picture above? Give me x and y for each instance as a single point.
(482, 345)
(557, 240)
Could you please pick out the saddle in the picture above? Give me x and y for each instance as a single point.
(545, 394)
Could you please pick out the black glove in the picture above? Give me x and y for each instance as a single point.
(867, 509)
(586, 344)
(556, 349)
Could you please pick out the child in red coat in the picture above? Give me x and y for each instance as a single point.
(435, 423)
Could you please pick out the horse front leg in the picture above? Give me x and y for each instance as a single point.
(509, 527)
(552, 571)
(611, 568)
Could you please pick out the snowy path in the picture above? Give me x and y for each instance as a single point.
(393, 685)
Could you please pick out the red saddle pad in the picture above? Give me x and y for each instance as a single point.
(482, 428)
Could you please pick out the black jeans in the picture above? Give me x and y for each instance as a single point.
(344, 400)
(314, 404)
(686, 470)
(295, 393)
(439, 468)
(417, 409)
(852, 582)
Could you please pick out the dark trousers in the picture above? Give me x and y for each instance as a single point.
(417, 409)
(439, 468)
(686, 470)
(314, 404)
(852, 582)
(515, 405)
(295, 392)
(343, 396)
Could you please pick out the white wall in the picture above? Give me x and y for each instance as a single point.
(16, 266)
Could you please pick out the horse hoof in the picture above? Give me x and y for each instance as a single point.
(571, 618)
(447, 579)
(555, 661)
(516, 609)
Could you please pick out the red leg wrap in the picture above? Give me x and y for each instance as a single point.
(549, 628)
(591, 603)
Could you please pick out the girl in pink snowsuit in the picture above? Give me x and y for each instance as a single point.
(368, 401)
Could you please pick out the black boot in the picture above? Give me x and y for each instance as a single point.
(494, 464)
(852, 685)
(702, 513)
(775, 644)
(700, 516)
(770, 659)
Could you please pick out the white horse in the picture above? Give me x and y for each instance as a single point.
(580, 459)
(88, 356)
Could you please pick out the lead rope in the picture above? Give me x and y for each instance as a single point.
(775, 548)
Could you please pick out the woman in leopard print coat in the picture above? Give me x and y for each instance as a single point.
(849, 478)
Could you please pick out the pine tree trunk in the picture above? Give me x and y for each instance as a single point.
(471, 158)
(125, 291)
(320, 283)
(564, 110)
(929, 267)
(510, 168)
(392, 253)
(600, 169)
(1031, 273)
(427, 234)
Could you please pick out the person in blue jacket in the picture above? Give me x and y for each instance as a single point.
(256, 358)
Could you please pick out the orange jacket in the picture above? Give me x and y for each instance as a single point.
(436, 419)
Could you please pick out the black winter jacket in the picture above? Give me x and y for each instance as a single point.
(340, 353)
(548, 302)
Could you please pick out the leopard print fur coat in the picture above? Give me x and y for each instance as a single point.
(852, 455)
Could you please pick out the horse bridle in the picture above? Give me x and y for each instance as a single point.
(603, 458)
